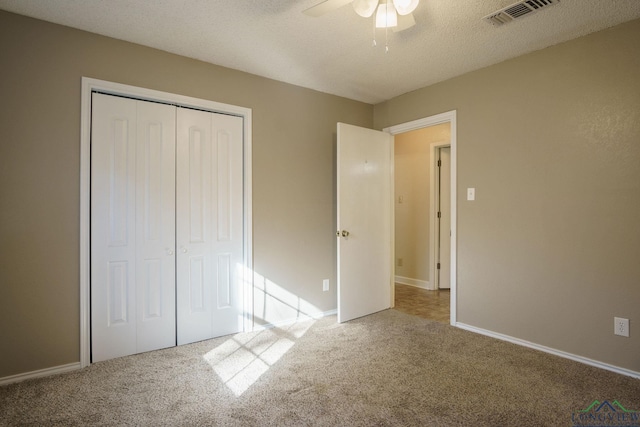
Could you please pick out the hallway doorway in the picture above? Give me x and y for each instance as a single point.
(422, 222)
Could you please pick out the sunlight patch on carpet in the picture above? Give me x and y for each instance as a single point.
(239, 362)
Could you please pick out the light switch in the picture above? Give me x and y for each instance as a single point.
(471, 193)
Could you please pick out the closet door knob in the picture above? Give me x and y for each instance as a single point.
(169, 251)
(184, 250)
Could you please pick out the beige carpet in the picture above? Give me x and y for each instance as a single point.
(388, 369)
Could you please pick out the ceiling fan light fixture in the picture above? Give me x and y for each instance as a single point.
(365, 8)
(386, 16)
(405, 7)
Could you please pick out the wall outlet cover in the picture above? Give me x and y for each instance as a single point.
(621, 326)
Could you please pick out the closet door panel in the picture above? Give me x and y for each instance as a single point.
(132, 226)
(194, 228)
(113, 226)
(209, 230)
(227, 248)
(155, 226)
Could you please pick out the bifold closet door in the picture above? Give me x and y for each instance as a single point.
(209, 225)
(132, 226)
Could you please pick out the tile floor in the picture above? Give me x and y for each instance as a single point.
(433, 305)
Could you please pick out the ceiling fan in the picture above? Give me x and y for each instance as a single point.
(394, 14)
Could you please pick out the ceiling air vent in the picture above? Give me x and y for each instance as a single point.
(518, 10)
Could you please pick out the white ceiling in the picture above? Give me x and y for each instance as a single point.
(333, 53)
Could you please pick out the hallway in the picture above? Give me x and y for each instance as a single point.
(432, 305)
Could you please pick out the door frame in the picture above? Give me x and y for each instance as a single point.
(446, 117)
(90, 85)
(434, 195)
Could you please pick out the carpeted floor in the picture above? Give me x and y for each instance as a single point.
(387, 369)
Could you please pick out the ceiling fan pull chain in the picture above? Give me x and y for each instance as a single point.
(386, 40)
(374, 31)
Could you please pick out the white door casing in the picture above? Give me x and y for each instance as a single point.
(444, 223)
(365, 221)
(209, 225)
(91, 86)
(132, 226)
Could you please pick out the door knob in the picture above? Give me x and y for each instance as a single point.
(169, 251)
(345, 233)
(184, 250)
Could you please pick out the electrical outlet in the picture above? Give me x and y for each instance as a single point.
(325, 285)
(621, 326)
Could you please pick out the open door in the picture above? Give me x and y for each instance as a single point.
(365, 221)
(444, 218)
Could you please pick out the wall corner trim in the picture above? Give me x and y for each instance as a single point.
(556, 352)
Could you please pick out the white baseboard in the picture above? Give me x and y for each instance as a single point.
(424, 284)
(564, 354)
(291, 321)
(40, 373)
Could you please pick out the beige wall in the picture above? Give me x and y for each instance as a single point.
(293, 178)
(412, 184)
(550, 250)
(547, 253)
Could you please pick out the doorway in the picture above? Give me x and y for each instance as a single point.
(426, 280)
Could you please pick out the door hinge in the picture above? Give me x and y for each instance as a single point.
(439, 213)
(439, 163)
(438, 266)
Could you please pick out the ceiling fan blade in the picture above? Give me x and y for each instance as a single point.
(404, 22)
(365, 8)
(405, 7)
(324, 7)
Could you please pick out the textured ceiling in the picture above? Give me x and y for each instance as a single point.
(333, 53)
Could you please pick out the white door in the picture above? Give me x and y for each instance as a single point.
(209, 225)
(132, 226)
(365, 194)
(444, 229)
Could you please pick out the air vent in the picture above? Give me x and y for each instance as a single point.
(518, 10)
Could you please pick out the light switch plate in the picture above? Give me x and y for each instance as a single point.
(471, 193)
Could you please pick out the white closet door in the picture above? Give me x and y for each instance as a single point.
(132, 226)
(209, 225)
(113, 240)
(155, 226)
